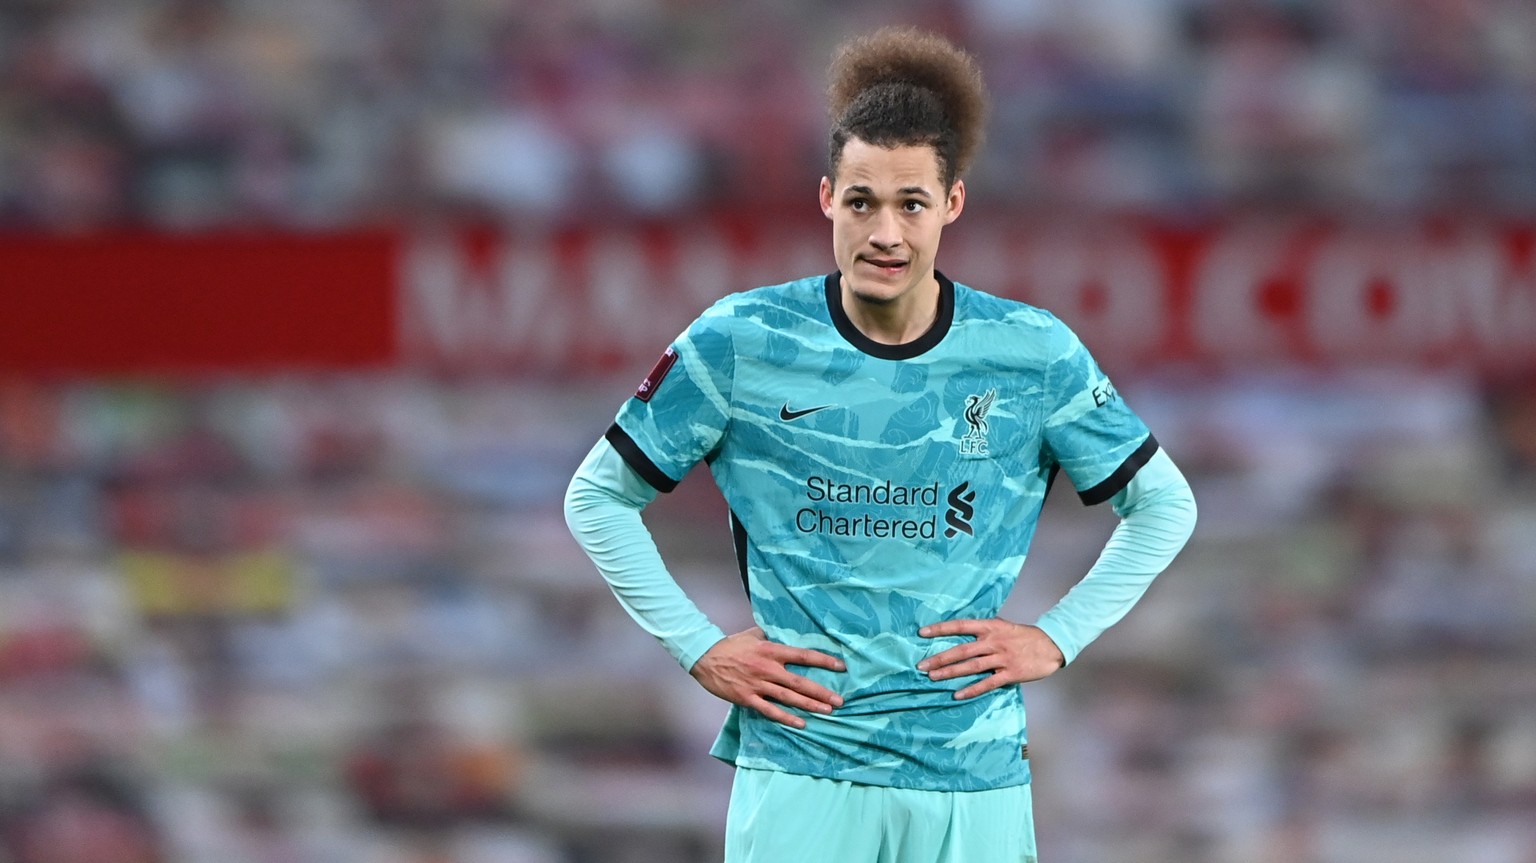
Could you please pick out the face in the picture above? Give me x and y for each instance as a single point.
(888, 207)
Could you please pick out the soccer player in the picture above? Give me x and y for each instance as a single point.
(884, 438)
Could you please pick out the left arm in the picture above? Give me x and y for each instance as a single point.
(1157, 515)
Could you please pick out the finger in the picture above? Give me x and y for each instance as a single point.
(789, 697)
(808, 688)
(970, 666)
(773, 711)
(807, 657)
(963, 626)
(982, 687)
(955, 654)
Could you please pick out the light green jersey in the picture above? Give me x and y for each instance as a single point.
(875, 489)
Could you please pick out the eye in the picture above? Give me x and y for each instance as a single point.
(859, 205)
(914, 206)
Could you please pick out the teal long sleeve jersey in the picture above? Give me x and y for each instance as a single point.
(874, 489)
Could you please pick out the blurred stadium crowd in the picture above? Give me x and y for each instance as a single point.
(188, 113)
(337, 618)
(340, 620)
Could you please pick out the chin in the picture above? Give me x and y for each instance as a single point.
(875, 299)
(875, 291)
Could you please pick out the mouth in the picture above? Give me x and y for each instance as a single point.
(889, 266)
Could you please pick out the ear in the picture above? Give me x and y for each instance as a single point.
(826, 197)
(955, 202)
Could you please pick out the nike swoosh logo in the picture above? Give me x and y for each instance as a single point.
(788, 415)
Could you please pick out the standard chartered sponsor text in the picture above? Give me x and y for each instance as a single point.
(868, 524)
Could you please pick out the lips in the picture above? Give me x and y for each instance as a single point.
(887, 264)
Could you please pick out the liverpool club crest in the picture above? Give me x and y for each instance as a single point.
(974, 442)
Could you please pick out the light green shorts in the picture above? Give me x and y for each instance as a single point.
(781, 817)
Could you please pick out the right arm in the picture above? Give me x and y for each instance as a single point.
(602, 508)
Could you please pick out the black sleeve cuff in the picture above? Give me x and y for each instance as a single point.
(1122, 475)
(636, 458)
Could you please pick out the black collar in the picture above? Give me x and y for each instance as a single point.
(906, 351)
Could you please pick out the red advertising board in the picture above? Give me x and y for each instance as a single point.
(584, 299)
(116, 303)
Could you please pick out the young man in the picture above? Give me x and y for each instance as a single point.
(885, 439)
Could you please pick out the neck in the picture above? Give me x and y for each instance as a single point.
(898, 321)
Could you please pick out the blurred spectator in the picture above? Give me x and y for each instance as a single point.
(1281, 113)
(1457, 118)
(1512, 410)
(417, 775)
(83, 814)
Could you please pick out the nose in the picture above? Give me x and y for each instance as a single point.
(885, 232)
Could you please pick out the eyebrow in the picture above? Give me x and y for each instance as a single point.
(905, 190)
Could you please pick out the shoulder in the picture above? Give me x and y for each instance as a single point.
(798, 295)
(977, 306)
(768, 307)
(1012, 322)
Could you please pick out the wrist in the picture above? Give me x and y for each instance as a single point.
(1052, 647)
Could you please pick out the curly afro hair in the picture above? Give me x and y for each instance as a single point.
(900, 87)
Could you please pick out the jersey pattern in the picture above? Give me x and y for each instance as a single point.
(877, 488)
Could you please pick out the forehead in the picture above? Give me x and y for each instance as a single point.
(888, 168)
